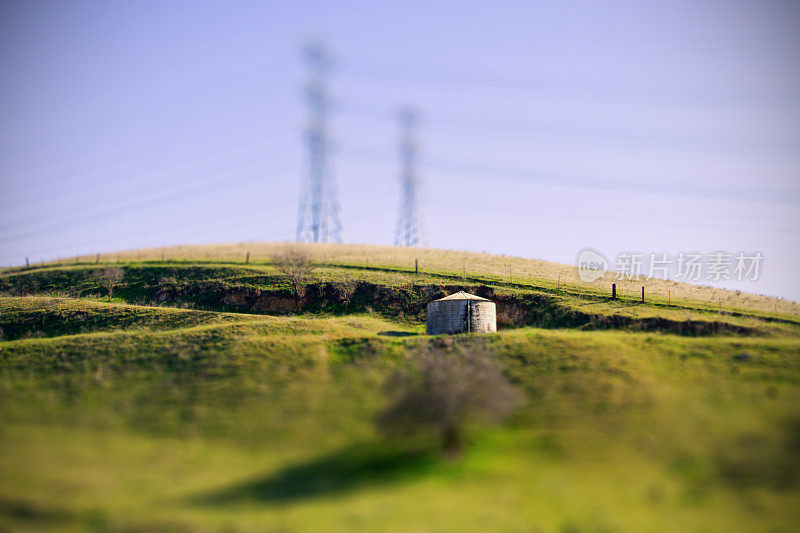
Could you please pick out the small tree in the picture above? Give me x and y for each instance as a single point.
(109, 277)
(295, 264)
(443, 392)
(347, 288)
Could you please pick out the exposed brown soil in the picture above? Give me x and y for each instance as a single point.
(271, 295)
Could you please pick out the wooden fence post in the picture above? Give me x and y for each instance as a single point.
(642, 294)
(613, 291)
(416, 266)
(247, 258)
(27, 263)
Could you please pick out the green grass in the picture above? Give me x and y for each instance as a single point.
(122, 415)
(391, 292)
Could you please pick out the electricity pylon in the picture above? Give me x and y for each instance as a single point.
(410, 228)
(318, 218)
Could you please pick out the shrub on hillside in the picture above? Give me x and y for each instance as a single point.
(109, 277)
(442, 392)
(296, 265)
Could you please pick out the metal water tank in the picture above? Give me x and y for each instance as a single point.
(461, 313)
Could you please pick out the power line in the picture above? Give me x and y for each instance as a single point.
(146, 141)
(189, 191)
(152, 180)
(600, 135)
(70, 249)
(654, 188)
(491, 171)
(614, 217)
(589, 88)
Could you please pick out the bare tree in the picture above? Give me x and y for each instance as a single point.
(442, 392)
(347, 288)
(109, 277)
(295, 264)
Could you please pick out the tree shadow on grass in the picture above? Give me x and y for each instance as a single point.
(397, 333)
(24, 510)
(343, 471)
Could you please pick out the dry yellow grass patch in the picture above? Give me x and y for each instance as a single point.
(506, 268)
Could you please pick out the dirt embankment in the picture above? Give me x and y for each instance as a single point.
(273, 295)
(410, 302)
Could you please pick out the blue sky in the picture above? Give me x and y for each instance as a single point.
(622, 126)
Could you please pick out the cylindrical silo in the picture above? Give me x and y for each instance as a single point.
(461, 313)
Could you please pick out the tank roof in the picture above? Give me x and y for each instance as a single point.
(461, 295)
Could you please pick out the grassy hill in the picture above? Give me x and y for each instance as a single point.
(203, 397)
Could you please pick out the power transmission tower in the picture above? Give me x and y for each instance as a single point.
(410, 229)
(318, 218)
